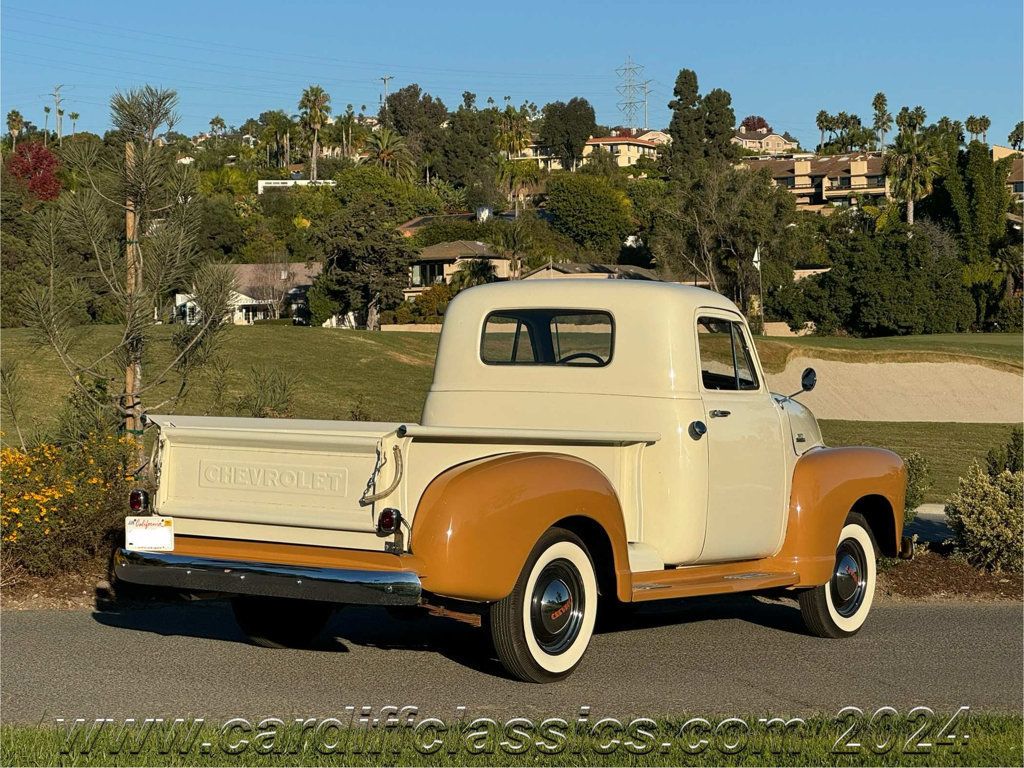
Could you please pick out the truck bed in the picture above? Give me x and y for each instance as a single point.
(307, 481)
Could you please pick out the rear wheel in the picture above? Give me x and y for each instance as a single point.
(840, 607)
(542, 629)
(277, 622)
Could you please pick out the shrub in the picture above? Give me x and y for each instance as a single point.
(62, 505)
(1007, 458)
(987, 518)
(918, 483)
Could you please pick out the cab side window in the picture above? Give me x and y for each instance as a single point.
(726, 362)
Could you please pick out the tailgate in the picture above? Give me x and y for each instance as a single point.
(290, 472)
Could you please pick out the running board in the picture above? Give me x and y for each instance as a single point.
(714, 579)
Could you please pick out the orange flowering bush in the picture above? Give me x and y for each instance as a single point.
(59, 505)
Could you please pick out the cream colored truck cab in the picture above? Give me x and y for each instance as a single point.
(584, 443)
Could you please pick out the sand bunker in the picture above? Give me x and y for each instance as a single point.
(906, 391)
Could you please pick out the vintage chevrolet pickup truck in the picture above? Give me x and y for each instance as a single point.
(585, 444)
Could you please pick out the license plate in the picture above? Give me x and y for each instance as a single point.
(152, 533)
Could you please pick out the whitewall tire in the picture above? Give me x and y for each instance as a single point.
(840, 607)
(542, 629)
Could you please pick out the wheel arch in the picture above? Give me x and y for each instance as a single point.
(476, 523)
(599, 546)
(829, 483)
(881, 519)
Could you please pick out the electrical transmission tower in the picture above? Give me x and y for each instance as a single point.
(630, 90)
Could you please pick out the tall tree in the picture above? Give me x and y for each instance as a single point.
(417, 117)
(911, 163)
(719, 120)
(883, 118)
(140, 265)
(566, 128)
(388, 150)
(367, 261)
(46, 125)
(984, 123)
(822, 121)
(755, 123)
(687, 124)
(74, 122)
(1016, 137)
(973, 129)
(314, 106)
(217, 125)
(15, 124)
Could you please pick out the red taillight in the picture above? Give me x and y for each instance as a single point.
(388, 521)
(138, 500)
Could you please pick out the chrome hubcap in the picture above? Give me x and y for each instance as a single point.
(849, 580)
(556, 607)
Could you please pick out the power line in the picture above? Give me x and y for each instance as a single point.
(630, 91)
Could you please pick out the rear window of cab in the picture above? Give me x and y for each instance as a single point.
(568, 337)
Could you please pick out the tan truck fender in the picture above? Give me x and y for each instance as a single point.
(829, 483)
(476, 523)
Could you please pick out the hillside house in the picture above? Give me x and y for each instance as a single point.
(262, 292)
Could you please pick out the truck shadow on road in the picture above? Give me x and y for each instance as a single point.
(466, 645)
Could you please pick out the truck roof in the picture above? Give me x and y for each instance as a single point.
(590, 293)
(654, 340)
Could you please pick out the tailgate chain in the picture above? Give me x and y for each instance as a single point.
(369, 498)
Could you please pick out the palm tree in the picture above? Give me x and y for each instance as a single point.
(984, 123)
(883, 117)
(514, 133)
(15, 124)
(971, 124)
(217, 125)
(74, 120)
(473, 272)
(388, 150)
(1016, 137)
(46, 124)
(517, 176)
(823, 120)
(513, 241)
(315, 106)
(911, 165)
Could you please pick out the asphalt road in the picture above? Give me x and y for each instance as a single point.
(711, 656)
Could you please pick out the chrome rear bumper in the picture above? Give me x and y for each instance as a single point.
(333, 585)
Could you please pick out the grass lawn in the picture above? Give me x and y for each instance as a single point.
(1001, 350)
(381, 376)
(949, 448)
(993, 740)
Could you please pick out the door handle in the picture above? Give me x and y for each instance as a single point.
(716, 414)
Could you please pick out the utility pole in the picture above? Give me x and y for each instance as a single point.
(646, 85)
(384, 102)
(133, 286)
(60, 112)
(629, 91)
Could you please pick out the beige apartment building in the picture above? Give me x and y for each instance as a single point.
(764, 141)
(625, 149)
(833, 181)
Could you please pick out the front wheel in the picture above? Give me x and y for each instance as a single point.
(541, 630)
(277, 622)
(840, 607)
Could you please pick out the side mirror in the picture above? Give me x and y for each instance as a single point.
(808, 379)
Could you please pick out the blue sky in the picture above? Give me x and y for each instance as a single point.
(237, 59)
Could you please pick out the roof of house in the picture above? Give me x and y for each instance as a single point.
(621, 140)
(829, 165)
(251, 279)
(1017, 169)
(458, 249)
(760, 135)
(622, 271)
